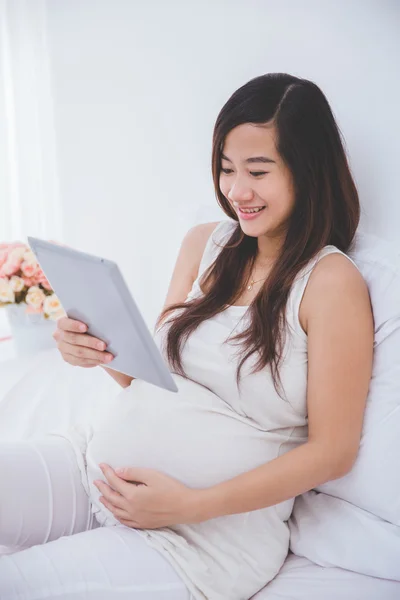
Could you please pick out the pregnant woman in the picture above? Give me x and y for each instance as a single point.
(268, 331)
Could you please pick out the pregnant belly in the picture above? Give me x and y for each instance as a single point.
(191, 435)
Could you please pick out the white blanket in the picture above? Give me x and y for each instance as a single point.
(44, 393)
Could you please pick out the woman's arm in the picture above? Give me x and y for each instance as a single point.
(184, 273)
(121, 378)
(340, 329)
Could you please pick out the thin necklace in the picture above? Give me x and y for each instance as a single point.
(252, 282)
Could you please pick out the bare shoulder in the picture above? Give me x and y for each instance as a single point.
(334, 278)
(196, 239)
(202, 232)
(188, 262)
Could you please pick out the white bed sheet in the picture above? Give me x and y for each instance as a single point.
(300, 579)
(44, 393)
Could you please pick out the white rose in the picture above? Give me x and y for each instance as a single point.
(35, 297)
(6, 291)
(29, 257)
(17, 253)
(17, 283)
(52, 306)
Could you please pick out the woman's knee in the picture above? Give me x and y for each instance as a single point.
(41, 496)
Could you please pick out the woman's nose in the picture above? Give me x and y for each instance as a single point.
(239, 192)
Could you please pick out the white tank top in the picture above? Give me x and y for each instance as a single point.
(209, 432)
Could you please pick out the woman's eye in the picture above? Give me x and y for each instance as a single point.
(255, 173)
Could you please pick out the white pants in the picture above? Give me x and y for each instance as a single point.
(55, 547)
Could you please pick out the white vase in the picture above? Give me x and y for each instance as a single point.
(30, 332)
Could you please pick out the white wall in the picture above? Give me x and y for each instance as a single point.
(137, 87)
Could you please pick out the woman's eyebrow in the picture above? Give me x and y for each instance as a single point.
(253, 159)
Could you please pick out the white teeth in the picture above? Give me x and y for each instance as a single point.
(253, 210)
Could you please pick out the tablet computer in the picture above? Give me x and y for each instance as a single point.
(92, 289)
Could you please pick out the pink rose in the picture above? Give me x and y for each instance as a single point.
(39, 275)
(29, 282)
(10, 267)
(14, 259)
(41, 278)
(46, 285)
(29, 268)
(3, 256)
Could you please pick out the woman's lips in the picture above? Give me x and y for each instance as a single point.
(249, 216)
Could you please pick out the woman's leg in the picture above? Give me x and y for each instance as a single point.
(41, 493)
(108, 563)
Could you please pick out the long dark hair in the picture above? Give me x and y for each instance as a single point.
(326, 211)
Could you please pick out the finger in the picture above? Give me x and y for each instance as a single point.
(119, 513)
(77, 355)
(80, 362)
(130, 523)
(118, 484)
(67, 324)
(134, 474)
(83, 339)
(110, 495)
(84, 353)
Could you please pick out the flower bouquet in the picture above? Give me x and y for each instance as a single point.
(32, 306)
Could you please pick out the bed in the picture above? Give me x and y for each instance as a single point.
(345, 535)
(42, 393)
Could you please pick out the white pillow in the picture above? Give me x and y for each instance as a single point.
(354, 522)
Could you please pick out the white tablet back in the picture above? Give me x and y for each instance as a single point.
(92, 290)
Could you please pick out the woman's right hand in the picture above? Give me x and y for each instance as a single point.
(78, 348)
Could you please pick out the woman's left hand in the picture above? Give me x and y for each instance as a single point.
(154, 499)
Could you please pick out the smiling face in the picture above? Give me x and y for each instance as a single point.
(254, 175)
